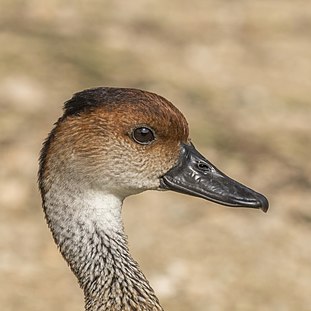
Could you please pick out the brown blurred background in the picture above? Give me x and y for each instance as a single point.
(241, 73)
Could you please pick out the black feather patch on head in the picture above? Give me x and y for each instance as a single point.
(84, 100)
(91, 98)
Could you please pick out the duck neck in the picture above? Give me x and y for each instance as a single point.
(88, 229)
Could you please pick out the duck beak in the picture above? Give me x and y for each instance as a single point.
(194, 175)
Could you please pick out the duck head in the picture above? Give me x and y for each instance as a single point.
(124, 141)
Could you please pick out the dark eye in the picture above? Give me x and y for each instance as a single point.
(143, 135)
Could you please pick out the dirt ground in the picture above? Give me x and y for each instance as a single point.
(241, 73)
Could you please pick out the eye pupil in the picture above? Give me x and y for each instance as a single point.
(143, 135)
(144, 131)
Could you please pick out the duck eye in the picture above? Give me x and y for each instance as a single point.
(143, 135)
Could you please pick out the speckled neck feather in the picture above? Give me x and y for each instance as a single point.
(89, 233)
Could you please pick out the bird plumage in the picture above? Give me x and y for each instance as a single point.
(96, 156)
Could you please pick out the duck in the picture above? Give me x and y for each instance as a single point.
(108, 144)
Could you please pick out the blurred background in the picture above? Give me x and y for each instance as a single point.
(240, 71)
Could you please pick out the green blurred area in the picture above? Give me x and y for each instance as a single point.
(240, 71)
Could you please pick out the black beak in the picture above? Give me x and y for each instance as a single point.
(194, 175)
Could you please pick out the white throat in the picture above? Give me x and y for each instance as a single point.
(81, 216)
(90, 207)
(104, 209)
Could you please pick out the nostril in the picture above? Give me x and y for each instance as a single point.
(203, 167)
